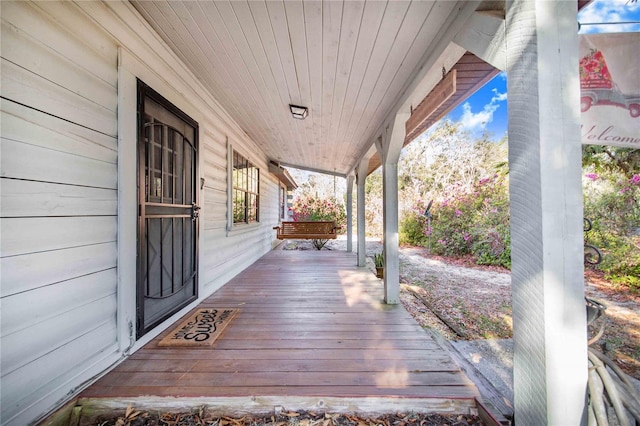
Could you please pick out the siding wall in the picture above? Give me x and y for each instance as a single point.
(59, 201)
(59, 193)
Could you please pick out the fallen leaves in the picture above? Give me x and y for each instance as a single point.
(200, 417)
(130, 415)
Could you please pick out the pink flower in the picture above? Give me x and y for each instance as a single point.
(466, 236)
(494, 210)
(592, 176)
(635, 180)
(458, 213)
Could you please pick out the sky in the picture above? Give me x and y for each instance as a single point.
(487, 108)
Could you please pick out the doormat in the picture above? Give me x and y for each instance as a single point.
(202, 328)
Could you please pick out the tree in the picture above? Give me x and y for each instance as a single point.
(617, 160)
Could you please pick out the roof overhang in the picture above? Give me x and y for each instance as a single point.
(283, 175)
(471, 74)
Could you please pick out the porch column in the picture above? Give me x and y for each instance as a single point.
(389, 146)
(361, 177)
(350, 180)
(550, 354)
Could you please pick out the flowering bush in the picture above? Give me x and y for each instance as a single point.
(309, 208)
(469, 221)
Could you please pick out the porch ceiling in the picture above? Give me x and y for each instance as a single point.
(349, 62)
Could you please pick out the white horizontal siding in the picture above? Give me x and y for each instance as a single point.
(55, 300)
(68, 362)
(28, 88)
(37, 234)
(63, 324)
(24, 161)
(31, 271)
(59, 204)
(59, 174)
(29, 53)
(31, 198)
(26, 125)
(67, 31)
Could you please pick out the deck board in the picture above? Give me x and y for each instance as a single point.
(311, 324)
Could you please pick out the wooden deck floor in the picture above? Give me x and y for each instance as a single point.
(312, 332)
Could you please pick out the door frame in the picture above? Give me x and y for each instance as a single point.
(145, 91)
(130, 69)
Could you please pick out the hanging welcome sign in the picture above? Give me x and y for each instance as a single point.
(610, 89)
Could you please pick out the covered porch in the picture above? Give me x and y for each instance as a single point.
(367, 75)
(312, 333)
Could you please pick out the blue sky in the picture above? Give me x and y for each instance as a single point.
(487, 108)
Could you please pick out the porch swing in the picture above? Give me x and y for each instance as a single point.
(307, 230)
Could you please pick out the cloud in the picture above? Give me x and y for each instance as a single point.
(609, 11)
(477, 121)
(498, 97)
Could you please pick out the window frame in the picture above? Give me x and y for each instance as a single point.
(283, 202)
(248, 184)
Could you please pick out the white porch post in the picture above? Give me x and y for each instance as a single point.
(350, 180)
(389, 147)
(361, 177)
(550, 356)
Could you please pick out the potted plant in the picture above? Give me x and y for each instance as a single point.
(378, 260)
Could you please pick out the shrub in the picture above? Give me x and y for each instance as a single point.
(481, 217)
(621, 262)
(311, 208)
(413, 226)
(612, 202)
(470, 221)
(494, 249)
(314, 209)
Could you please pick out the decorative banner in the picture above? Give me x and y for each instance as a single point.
(610, 89)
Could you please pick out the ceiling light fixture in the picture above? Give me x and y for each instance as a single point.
(299, 112)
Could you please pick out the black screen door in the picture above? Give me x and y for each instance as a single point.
(168, 209)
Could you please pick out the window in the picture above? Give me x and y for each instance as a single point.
(246, 187)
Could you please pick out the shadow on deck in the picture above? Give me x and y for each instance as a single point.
(312, 333)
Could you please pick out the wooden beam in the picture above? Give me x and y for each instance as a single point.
(439, 95)
(483, 35)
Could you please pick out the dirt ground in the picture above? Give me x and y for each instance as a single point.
(476, 301)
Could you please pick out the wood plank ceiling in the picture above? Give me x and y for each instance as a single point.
(346, 61)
